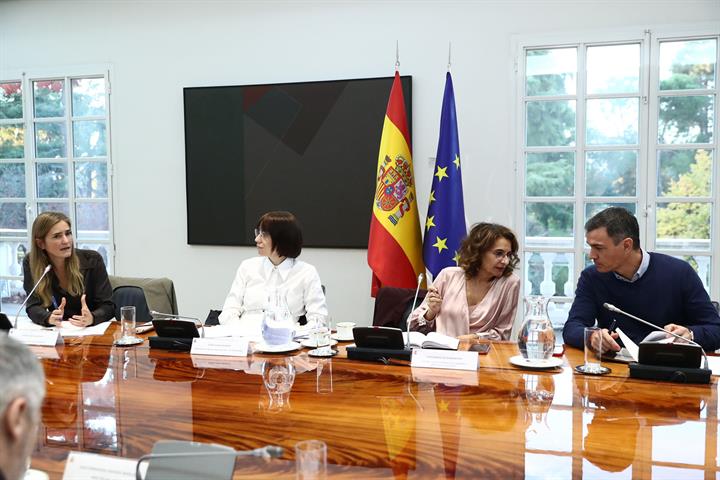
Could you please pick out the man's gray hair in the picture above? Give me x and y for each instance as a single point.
(21, 375)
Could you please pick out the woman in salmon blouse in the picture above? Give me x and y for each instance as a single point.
(480, 295)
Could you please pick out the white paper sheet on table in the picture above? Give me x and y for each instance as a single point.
(631, 346)
(69, 330)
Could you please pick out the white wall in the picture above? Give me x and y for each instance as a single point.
(155, 48)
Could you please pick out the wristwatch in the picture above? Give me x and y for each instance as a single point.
(692, 335)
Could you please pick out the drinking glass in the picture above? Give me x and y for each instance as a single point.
(127, 328)
(310, 460)
(593, 354)
(324, 378)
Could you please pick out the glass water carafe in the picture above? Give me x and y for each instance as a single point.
(536, 339)
(278, 327)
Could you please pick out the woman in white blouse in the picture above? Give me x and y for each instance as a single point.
(279, 242)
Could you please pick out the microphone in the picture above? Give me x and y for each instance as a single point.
(417, 290)
(47, 269)
(172, 316)
(613, 308)
(266, 452)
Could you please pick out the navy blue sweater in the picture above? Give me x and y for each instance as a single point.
(668, 292)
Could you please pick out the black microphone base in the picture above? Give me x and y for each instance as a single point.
(669, 374)
(377, 354)
(171, 343)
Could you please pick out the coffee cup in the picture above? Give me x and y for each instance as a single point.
(345, 329)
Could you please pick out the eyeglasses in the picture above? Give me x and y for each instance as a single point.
(260, 233)
(499, 255)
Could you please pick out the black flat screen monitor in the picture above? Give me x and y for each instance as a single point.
(310, 148)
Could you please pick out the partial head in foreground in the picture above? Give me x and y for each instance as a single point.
(21, 395)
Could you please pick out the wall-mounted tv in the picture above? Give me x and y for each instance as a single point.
(310, 148)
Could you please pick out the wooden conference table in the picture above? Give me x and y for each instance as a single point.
(378, 421)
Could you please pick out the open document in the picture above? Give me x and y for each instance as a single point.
(431, 340)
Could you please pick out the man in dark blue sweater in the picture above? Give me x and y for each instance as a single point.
(658, 288)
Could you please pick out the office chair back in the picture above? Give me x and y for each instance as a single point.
(394, 305)
(131, 296)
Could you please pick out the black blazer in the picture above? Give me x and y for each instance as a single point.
(98, 292)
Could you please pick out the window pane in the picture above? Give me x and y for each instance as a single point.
(611, 174)
(612, 121)
(92, 221)
(686, 119)
(11, 257)
(551, 72)
(702, 265)
(101, 248)
(613, 69)
(684, 173)
(12, 295)
(549, 224)
(52, 181)
(91, 180)
(50, 140)
(13, 222)
(550, 174)
(88, 97)
(63, 207)
(549, 274)
(12, 141)
(551, 123)
(12, 180)
(49, 98)
(593, 208)
(683, 225)
(89, 139)
(687, 64)
(11, 100)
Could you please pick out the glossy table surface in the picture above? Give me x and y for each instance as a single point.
(378, 421)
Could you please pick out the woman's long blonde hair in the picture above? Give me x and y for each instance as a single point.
(39, 258)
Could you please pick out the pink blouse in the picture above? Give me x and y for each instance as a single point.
(491, 318)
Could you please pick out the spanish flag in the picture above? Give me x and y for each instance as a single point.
(395, 245)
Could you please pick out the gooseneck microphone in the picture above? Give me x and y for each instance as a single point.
(266, 452)
(47, 269)
(414, 305)
(172, 316)
(613, 308)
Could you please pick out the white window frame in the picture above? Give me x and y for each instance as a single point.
(26, 78)
(646, 195)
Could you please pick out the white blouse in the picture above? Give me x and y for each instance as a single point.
(256, 278)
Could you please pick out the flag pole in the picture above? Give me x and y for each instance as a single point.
(397, 55)
(449, 55)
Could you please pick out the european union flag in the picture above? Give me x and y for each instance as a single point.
(445, 225)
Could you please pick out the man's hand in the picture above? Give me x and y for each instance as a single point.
(56, 316)
(679, 330)
(608, 341)
(85, 319)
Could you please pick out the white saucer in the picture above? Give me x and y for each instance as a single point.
(287, 347)
(337, 337)
(520, 361)
(310, 344)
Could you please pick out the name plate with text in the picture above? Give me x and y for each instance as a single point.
(45, 338)
(449, 359)
(100, 467)
(227, 347)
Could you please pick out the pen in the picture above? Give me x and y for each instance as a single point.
(55, 304)
(612, 326)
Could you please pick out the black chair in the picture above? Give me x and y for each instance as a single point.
(394, 305)
(128, 295)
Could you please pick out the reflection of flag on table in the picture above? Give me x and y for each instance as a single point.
(445, 225)
(399, 418)
(394, 246)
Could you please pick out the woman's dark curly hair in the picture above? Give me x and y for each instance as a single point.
(482, 238)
